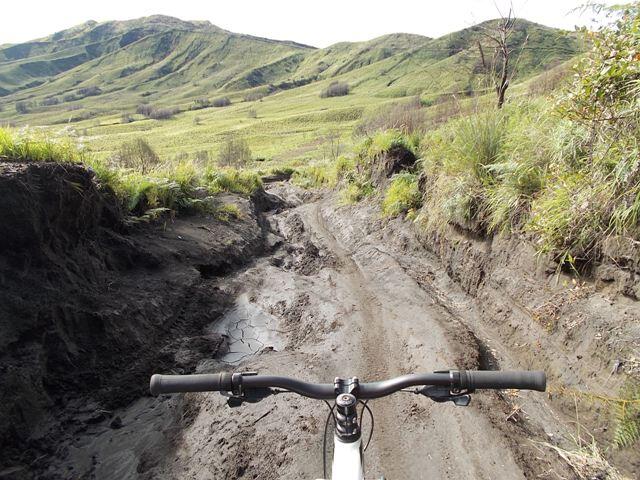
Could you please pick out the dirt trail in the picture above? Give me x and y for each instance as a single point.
(347, 307)
(405, 330)
(336, 299)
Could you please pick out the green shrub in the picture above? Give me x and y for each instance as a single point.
(402, 195)
(335, 89)
(221, 102)
(23, 107)
(136, 154)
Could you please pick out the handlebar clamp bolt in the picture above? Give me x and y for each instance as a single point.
(346, 400)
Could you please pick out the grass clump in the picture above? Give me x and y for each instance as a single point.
(457, 160)
(231, 180)
(402, 196)
(384, 141)
(228, 212)
(285, 170)
(314, 176)
(169, 189)
(356, 191)
(324, 175)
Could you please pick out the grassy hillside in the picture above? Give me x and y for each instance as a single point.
(92, 78)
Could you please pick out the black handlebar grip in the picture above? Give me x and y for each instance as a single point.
(521, 380)
(207, 382)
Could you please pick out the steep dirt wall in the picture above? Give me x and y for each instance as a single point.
(584, 331)
(90, 305)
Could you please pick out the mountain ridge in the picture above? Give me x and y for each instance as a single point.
(30, 64)
(94, 78)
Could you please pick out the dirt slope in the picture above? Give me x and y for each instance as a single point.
(90, 305)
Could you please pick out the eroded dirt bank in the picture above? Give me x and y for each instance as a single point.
(584, 331)
(92, 304)
(329, 291)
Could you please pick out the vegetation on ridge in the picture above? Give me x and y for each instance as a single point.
(143, 184)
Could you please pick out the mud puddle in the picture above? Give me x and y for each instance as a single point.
(248, 330)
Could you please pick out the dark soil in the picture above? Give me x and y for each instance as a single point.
(91, 305)
(395, 160)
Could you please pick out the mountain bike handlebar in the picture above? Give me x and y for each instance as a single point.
(454, 379)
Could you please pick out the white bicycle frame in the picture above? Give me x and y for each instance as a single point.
(347, 460)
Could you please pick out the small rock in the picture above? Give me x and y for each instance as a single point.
(617, 366)
(116, 423)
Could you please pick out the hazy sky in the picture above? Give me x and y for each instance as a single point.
(318, 23)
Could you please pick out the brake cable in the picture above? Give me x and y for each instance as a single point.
(365, 406)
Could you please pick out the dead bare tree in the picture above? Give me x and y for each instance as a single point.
(331, 145)
(501, 70)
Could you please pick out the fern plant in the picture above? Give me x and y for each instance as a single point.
(627, 414)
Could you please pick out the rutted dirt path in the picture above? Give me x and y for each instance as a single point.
(347, 307)
(334, 300)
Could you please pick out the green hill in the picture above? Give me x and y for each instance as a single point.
(91, 75)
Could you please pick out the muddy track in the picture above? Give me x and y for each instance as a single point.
(334, 300)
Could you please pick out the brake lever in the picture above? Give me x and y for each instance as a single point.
(442, 394)
(249, 395)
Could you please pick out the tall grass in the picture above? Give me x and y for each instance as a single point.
(458, 161)
(530, 169)
(161, 186)
(38, 147)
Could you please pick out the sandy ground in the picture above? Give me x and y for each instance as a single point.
(333, 300)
